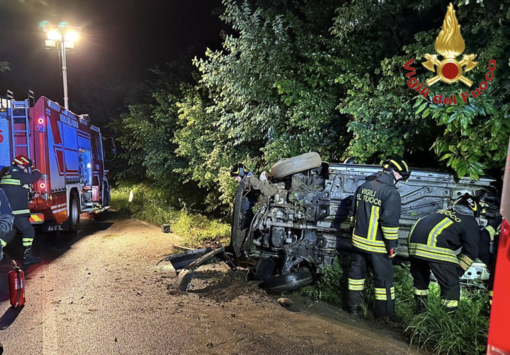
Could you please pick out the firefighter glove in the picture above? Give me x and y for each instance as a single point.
(392, 253)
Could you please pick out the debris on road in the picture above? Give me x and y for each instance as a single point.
(185, 264)
(285, 302)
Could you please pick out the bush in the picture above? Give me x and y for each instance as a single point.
(332, 285)
(465, 332)
(150, 205)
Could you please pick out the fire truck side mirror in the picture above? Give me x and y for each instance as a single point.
(109, 149)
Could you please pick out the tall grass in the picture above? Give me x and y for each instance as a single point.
(464, 333)
(149, 205)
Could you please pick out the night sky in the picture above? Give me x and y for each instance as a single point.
(120, 40)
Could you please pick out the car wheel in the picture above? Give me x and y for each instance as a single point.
(288, 282)
(297, 164)
(236, 240)
(242, 217)
(74, 214)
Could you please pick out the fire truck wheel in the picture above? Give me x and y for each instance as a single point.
(106, 195)
(74, 214)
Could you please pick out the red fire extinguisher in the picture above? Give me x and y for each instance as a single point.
(16, 285)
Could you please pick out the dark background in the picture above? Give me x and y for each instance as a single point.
(120, 41)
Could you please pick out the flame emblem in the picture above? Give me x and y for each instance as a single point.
(450, 45)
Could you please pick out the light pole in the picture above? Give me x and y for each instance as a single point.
(61, 36)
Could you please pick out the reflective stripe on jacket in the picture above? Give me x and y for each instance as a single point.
(376, 208)
(15, 184)
(437, 237)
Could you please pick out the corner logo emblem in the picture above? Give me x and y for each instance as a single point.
(450, 45)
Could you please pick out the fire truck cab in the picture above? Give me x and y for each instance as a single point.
(499, 341)
(68, 151)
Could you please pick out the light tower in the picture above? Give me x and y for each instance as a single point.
(63, 37)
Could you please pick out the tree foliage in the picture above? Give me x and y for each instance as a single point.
(388, 117)
(293, 76)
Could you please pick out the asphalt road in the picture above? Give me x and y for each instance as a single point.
(101, 292)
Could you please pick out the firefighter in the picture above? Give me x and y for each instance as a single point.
(432, 244)
(6, 220)
(488, 249)
(15, 182)
(240, 171)
(375, 213)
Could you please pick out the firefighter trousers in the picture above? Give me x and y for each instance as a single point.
(382, 268)
(492, 270)
(22, 225)
(446, 274)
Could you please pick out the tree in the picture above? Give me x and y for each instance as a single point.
(388, 117)
(272, 86)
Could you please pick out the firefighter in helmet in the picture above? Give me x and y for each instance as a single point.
(375, 213)
(432, 244)
(6, 220)
(240, 171)
(15, 182)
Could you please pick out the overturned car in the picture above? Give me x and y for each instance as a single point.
(293, 227)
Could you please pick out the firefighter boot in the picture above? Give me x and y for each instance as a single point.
(395, 320)
(29, 259)
(421, 303)
(356, 311)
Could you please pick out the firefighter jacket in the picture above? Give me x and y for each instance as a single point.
(437, 237)
(376, 210)
(6, 218)
(15, 185)
(489, 241)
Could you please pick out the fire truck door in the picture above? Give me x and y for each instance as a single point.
(5, 141)
(85, 161)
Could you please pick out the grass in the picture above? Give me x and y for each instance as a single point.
(465, 332)
(150, 205)
(435, 330)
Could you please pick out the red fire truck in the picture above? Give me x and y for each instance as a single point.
(68, 151)
(499, 339)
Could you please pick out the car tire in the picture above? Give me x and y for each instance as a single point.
(288, 282)
(74, 213)
(241, 220)
(296, 164)
(236, 240)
